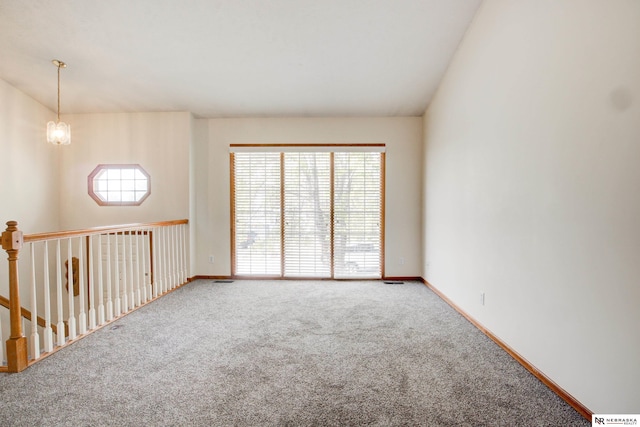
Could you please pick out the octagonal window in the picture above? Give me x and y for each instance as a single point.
(119, 185)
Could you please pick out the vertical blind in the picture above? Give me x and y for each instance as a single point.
(307, 214)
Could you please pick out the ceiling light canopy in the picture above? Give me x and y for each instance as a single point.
(58, 133)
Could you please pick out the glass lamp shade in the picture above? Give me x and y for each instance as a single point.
(58, 133)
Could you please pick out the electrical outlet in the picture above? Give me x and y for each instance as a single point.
(481, 298)
(211, 259)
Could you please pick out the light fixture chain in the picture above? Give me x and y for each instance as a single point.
(58, 93)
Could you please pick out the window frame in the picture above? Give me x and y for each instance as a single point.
(106, 166)
(282, 149)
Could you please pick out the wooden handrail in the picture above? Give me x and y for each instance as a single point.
(99, 230)
(4, 302)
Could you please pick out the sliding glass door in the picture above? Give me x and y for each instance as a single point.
(307, 215)
(357, 211)
(313, 214)
(257, 214)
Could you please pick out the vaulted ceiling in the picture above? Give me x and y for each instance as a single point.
(229, 58)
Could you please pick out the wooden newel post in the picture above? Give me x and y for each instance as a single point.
(17, 358)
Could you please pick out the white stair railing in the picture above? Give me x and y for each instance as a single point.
(3, 358)
(85, 279)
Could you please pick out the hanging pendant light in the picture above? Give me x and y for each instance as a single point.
(59, 133)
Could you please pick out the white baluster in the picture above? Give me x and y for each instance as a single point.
(100, 284)
(167, 263)
(60, 332)
(123, 274)
(160, 256)
(174, 250)
(156, 260)
(187, 252)
(187, 266)
(72, 315)
(181, 253)
(161, 269)
(109, 284)
(3, 359)
(132, 299)
(138, 293)
(145, 293)
(171, 260)
(151, 263)
(82, 316)
(48, 332)
(35, 338)
(158, 266)
(178, 255)
(118, 307)
(148, 244)
(92, 292)
(185, 269)
(23, 320)
(165, 260)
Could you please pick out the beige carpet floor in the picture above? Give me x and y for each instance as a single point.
(284, 353)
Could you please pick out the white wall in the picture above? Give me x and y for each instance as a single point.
(532, 189)
(29, 165)
(198, 159)
(159, 142)
(403, 162)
